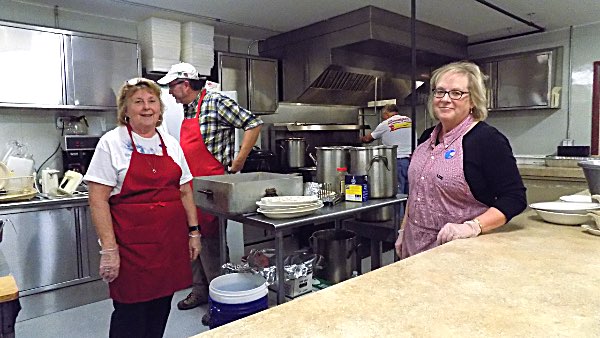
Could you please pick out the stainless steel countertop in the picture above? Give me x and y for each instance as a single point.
(40, 202)
(324, 214)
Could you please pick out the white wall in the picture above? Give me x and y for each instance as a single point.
(37, 127)
(538, 132)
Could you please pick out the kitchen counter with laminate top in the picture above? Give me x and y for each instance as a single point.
(556, 173)
(528, 278)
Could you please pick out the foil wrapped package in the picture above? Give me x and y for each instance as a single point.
(299, 264)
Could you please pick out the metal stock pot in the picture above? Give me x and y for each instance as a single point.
(328, 160)
(379, 163)
(292, 152)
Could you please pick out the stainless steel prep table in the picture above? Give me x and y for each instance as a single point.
(281, 227)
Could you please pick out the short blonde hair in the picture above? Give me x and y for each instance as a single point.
(131, 87)
(477, 89)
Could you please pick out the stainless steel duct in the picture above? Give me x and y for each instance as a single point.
(337, 60)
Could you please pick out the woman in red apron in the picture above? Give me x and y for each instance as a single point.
(143, 228)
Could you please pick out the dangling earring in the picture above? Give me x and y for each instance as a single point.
(126, 119)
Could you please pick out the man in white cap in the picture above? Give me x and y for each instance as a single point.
(395, 129)
(207, 139)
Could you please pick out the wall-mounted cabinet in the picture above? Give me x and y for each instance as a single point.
(97, 68)
(529, 80)
(73, 70)
(29, 57)
(255, 80)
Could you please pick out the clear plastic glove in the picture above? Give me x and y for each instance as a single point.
(236, 165)
(110, 263)
(452, 231)
(398, 244)
(195, 247)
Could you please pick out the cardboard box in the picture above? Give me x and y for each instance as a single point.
(357, 189)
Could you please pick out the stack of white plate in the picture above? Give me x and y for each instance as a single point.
(566, 213)
(197, 46)
(288, 206)
(160, 43)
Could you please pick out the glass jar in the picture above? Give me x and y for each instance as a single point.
(341, 181)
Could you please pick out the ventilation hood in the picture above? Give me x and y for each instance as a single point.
(349, 58)
(338, 86)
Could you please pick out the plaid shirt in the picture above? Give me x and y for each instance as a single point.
(219, 117)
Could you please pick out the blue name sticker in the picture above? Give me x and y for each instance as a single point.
(449, 154)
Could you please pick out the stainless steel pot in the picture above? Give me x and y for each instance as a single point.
(379, 163)
(328, 160)
(338, 248)
(292, 152)
(377, 215)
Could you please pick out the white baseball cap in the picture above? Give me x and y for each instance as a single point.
(179, 71)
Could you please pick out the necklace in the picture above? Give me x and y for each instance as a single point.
(150, 164)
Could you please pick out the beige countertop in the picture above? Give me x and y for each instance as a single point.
(529, 278)
(544, 172)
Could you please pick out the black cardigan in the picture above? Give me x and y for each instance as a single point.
(491, 169)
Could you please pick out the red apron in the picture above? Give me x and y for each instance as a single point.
(201, 163)
(150, 226)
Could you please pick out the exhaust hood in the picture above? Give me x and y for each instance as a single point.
(338, 86)
(354, 57)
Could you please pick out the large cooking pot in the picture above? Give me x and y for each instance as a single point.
(379, 163)
(338, 248)
(292, 152)
(328, 160)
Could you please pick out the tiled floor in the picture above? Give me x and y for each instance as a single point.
(92, 320)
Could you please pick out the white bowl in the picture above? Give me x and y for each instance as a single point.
(565, 207)
(562, 218)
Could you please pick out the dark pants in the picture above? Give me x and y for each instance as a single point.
(140, 320)
(207, 266)
(402, 164)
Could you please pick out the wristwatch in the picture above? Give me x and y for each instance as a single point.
(193, 228)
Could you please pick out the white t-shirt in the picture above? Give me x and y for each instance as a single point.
(113, 153)
(395, 131)
(172, 116)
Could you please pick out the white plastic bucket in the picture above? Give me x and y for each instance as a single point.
(237, 288)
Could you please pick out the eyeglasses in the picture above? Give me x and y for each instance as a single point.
(453, 94)
(172, 85)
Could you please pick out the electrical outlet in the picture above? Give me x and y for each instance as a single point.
(60, 122)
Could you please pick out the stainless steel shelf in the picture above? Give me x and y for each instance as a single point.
(315, 127)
